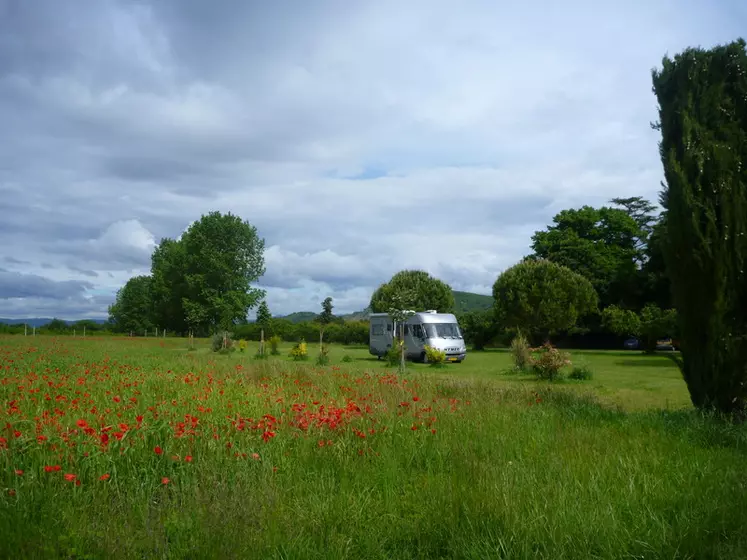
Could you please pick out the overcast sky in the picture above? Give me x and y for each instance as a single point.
(359, 137)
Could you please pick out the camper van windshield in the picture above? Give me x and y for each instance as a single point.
(442, 330)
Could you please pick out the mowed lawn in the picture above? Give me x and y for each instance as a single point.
(139, 448)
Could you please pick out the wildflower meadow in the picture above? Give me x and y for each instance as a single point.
(135, 448)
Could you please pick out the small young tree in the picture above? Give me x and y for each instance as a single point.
(324, 319)
(263, 320)
(400, 311)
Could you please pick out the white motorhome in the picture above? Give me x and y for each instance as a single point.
(437, 330)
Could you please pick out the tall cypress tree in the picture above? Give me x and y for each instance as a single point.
(702, 97)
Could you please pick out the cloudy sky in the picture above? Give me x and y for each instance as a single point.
(360, 137)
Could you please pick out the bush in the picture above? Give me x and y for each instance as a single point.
(299, 351)
(583, 373)
(521, 353)
(347, 359)
(392, 355)
(434, 356)
(242, 345)
(217, 341)
(274, 345)
(549, 362)
(323, 358)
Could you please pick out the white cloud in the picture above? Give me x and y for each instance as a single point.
(474, 123)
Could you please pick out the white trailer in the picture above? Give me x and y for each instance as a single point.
(425, 328)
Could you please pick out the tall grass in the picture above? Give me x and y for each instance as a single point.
(489, 471)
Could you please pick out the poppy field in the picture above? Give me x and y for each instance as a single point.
(133, 448)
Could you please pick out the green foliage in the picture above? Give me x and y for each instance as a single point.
(434, 356)
(651, 324)
(323, 358)
(242, 345)
(393, 355)
(299, 352)
(521, 353)
(547, 362)
(223, 256)
(581, 373)
(479, 328)
(169, 285)
(326, 317)
(601, 244)
(540, 297)
(263, 315)
(222, 342)
(133, 308)
(275, 341)
(702, 97)
(347, 358)
(465, 302)
(422, 292)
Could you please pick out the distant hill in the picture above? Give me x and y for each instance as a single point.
(41, 321)
(300, 316)
(467, 301)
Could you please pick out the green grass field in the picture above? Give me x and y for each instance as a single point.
(138, 448)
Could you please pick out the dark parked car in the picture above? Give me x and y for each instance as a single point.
(632, 344)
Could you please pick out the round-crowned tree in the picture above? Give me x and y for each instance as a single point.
(422, 291)
(541, 298)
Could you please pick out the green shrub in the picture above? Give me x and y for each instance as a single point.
(434, 356)
(347, 359)
(582, 372)
(521, 353)
(274, 345)
(242, 345)
(299, 351)
(392, 356)
(549, 361)
(217, 341)
(323, 358)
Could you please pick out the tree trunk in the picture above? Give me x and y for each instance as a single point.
(402, 346)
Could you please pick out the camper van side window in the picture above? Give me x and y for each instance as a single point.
(417, 331)
(377, 330)
(407, 329)
(388, 327)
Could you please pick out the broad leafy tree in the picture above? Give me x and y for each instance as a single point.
(133, 309)
(601, 244)
(224, 255)
(542, 298)
(423, 292)
(168, 285)
(702, 96)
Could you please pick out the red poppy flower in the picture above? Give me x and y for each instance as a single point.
(165, 480)
(188, 458)
(52, 468)
(158, 450)
(19, 472)
(81, 423)
(255, 456)
(104, 476)
(17, 433)
(70, 477)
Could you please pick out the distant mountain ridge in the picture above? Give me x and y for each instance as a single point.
(41, 321)
(464, 302)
